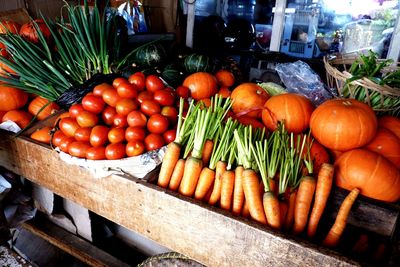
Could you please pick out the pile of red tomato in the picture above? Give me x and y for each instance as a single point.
(127, 118)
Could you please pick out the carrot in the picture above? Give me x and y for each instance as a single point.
(207, 151)
(333, 237)
(302, 205)
(322, 191)
(361, 245)
(216, 193)
(290, 212)
(283, 209)
(170, 159)
(177, 175)
(238, 194)
(253, 198)
(206, 198)
(191, 173)
(245, 209)
(227, 187)
(205, 182)
(273, 185)
(272, 209)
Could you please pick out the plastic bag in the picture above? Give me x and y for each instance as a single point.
(299, 78)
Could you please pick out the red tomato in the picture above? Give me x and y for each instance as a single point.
(145, 95)
(65, 142)
(135, 133)
(120, 120)
(87, 119)
(164, 97)
(141, 74)
(115, 151)
(75, 109)
(68, 126)
(117, 81)
(127, 90)
(157, 124)
(169, 136)
(246, 120)
(150, 107)
(78, 149)
(126, 105)
(116, 135)
(135, 148)
(136, 118)
(183, 91)
(171, 113)
(153, 141)
(96, 153)
(58, 136)
(94, 104)
(99, 89)
(111, 97)
(138, 80)
(154, 83)
(108, 115)
(99, 135)
(83, 134)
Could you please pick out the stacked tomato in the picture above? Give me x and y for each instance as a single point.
(127, 118)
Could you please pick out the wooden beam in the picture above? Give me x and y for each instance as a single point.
(206, 234)
(278, 25)
(73, 245)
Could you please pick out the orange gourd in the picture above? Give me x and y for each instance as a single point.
(12, 98)
(391, 123)
(248, 99)
(42, 135)
(294, 109)
(201, 85)
(372, 173)
(343, 124)
(38, 103)
(20, 117)
(225, 78)
(387, 144)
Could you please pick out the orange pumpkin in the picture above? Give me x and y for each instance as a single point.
(373, 174)
(2, 114)
(225, 78)
(12, 98)
(387, 144)
(42, 135)
(248, 99)
(343, 124)
(391, 123)
(9, 26)
(294, 109)
(20, 117)
(201, 85)
(38, 103)
(28, 30)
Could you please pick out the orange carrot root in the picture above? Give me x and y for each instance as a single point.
(191, 173)
(245, 209)
(302, 206)
(170, 159)
(272, 210)
(251, 187)
(227, 185)
(177, 175)
(290, 212)
(216, 194)
(205, 182)
(207, 151)
(336, 231)
(238, 194)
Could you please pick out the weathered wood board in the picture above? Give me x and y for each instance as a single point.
(206, 234)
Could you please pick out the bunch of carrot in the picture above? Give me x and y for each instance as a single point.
(245, 171)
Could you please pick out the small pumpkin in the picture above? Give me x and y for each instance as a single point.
(201, 85)
(28, 30)
(225, 78)
(294, 109)
(343, 124)
(391, 123)
(172, 74)
(38, 103)
(373, 174)
(387, 144)
(248, 99)
(150, 55)
(198, 63)
(42, 135)
(20, 117)
(12, 98)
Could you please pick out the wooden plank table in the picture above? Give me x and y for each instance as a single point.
(206, 234)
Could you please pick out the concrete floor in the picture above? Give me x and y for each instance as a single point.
(9, 258)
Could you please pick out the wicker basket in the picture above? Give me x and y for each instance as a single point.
(383, 99)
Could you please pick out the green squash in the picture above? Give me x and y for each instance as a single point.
(172, 75)
(150, 55)
(197, 62)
